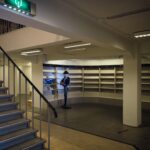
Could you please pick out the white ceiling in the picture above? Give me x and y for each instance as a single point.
(101, 10)
(91, 52)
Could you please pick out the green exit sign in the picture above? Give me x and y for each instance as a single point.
(21, 6)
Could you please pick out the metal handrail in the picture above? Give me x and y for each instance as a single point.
(41, 95)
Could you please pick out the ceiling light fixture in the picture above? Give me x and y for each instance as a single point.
(25, 53)
(77, 45)
(142, 34)
(76, 49)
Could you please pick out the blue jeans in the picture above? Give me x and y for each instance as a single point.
(65, 95)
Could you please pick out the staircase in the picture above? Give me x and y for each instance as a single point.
(16, 131)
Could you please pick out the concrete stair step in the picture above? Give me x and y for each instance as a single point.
(3, 90)
(5, 97)
(10, 115)
(8, 105)
(34, 144)
(17, 137)
(13, 125)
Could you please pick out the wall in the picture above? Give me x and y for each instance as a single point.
(26, 69)
(75, 62)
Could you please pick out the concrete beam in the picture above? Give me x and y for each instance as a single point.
(28, 38)
(57, 17)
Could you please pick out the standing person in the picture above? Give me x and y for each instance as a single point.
(65, 82)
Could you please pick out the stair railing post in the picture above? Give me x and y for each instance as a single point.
(8, 76)
(32, 107)
(14, 74)
(19, 90)
(40, 118)
(26, 99)
(48, 109)
(4, 70)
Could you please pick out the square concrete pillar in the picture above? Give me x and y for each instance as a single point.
(132, 90)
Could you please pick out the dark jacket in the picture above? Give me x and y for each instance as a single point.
(65, 81)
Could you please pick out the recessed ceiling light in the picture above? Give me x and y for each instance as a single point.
(77, 45)
(5, 5)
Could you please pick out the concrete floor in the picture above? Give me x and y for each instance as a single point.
(105, 121)
(67, 139)
(102, 120)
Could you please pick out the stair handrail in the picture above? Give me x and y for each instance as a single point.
(41, 95)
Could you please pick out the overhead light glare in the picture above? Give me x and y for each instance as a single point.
(10, 7)
(78, 45)
(25, 53)
(76, 49)
(142, 34)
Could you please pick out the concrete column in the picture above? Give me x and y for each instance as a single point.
(37, 77)
(37, 73)
(132, 90)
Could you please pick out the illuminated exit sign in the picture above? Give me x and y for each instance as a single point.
(21, 6)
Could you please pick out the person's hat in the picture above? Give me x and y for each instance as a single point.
(66, 72)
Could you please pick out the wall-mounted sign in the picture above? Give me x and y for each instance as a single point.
(21, 6)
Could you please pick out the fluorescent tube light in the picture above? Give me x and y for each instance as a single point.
(76, 49)
(25, 53)
(78, 45)
(142, 34)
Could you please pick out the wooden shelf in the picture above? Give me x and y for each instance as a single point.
(145, 71)
(109, 88)
(51, 77)
(91, 87)
(119, 82)
(91, 71)
(119, 72)
(107, 71)
(107, 82)
(119, 77)
(76, 77)
(91, 82)
(75, 86)
(91, 77)
(146, 77)
(146, 83)
(106, 79)
(145, 89)
(76, 82)
(49, 71)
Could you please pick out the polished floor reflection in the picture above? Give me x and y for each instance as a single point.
(67, 139)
